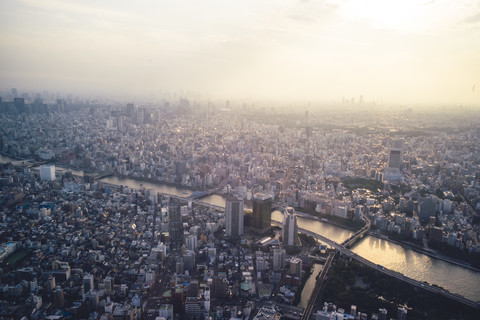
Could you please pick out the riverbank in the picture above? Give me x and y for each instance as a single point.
(405, 244)
(107, 174)
(150, 180)
(379, 290)
(421, 250)
(326, 220)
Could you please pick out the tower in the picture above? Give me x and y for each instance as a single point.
(234, 217)
(290, 228)
(262, 211)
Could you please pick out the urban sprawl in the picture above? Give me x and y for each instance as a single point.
(76, 247)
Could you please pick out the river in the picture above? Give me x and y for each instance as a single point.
(309, 286)
(413, 264)
(420, 267)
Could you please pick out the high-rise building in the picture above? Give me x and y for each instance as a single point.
(278, 259)
(353, 310)
(290, 228)
(296, 266)
(192, 242)
(189, 260)
(395, 159)
(234, 217)
(382, 314)
(262, 211)
(395, 156)
(175, 227)
(19, 104)
(88, 283)
(47, 172)
(58, 298)
(108, 285)
(131, 110)
(402, 313)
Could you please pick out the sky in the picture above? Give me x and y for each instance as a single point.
(405, 52)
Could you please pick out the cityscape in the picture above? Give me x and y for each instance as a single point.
(239, 160)
(190, 210)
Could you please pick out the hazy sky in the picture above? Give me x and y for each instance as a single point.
(407, 51)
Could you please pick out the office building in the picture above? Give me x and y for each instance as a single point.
(290, 228)
(189, 260)
(262, 211)
(234, 217)
(47, 172)
(382, 314)
(278, 259)
(395, 156)
(402, 313)
(58, 298)
(88, 283)
(296, 267)
(175, 227)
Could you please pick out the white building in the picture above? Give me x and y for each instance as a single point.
(47, 172)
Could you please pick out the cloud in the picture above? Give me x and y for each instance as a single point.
(473, 19)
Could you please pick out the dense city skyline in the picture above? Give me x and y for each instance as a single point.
(406, 52)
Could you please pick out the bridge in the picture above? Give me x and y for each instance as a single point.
(358, 235)
(200, 194)
(346, 251)
(392, 273)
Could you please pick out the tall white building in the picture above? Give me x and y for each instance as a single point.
(47, 172)
(290, 228)
(234, 217)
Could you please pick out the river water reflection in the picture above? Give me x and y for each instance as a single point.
(413, 264)
(309, 286)
(329, 231)
(421, 267)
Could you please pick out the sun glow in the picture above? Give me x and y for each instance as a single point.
(393, 15)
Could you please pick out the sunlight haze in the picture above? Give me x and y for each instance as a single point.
(407, 52)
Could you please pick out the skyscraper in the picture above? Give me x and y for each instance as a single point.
(290, 228)
(296, 267)
(262, 211)
(395, 159)
(395, 156)
(278, 258)
(175, 227)
(234, 217)
(88, 283)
